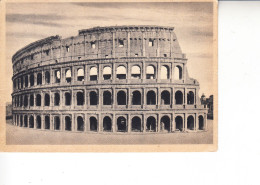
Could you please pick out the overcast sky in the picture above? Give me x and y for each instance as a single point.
(193, 22)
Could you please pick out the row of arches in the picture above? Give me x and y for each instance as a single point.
(107, 123)
(121, 73)
(121, 98)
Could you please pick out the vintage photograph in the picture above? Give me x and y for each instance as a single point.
(114, 73)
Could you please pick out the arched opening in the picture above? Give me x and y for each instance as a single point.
(93, 97)
(26, 81)
(136, 124)
(56, 123)
(47, 122)
(107, 124)
(47, 77)
(80, 74)
(201, 123)
(57, 76)
(107, 98)
(47, 100)
(190, 123)
(107, 73)
(150, 72)
(31, 122)
(165, 123)
(38, 122)
(56, 99)
(151, 124)
(179, 123)
(121, 72)
(21, 82)
(21, 120)
(31, 100)
(25, 101)
(21, 101)
(178, 98)
(165, 72)
(68, 123)
(39, 78)
(80, 124)
(121, 98)
(67, 98)
(135, 72)
(80, 98)
(151, 98)
(136, 98)
(32, 80)
(165, 98)
(68, 75)
(93, 123)
(177, 73)
(38, 100)
(25, 121)
(93, 73)
(190, 98)
(121, 124)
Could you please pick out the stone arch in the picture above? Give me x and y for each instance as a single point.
(190, 123)
(47, 77)
(165, 123)
(107, 123)
(190, 98)
(25, 103)
(151, 124)
(151, 98)
(93, 123)
(31, 122)
(136, 72)
(179, 123)
(150, 72)
(26, 81)
(80, 123)
(93, 98)
(68, 75)
(39, 78)
(38, 100)
(121, 72)
(68, 125)
(107, 73)
(80, 98)
(177, 72)
(56, 99)
(136, 98)
(25, 120)
(93, 73)
(136, 124)
(178, 98)
(107, 98)
(121, 98)
(121, 124)
(46, 100)
(56, 123)
(201, 123)
(165, 72)
(47, 122)
(165, 98)
(31, 100)
(80, 74)
(38, 122)
(31, 79)
(67, 98)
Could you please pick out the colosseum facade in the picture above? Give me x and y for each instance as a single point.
(119, 79)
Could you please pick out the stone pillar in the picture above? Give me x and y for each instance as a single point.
(114, 44)
(159, 71)
(158, 45)
(144, 121)
(144, 97)
(128, 123)
(35, 121)
(205, 122)
(143, 44)
(185, 96)
(196, 122)
(114, 103)
(171, 44)
(85, 74)
(158, 123)
(100, 71)
(100, 123)
(43, 122)
(113, 72)
(158, 96)
(114, 123)
(173, 125)
(128, 98)
(143, 71)
(61, 99)
(128, 45)
(184, 122)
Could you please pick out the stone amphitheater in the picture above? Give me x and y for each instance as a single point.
(118, 79)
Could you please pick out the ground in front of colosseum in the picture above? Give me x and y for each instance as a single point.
(24, 136)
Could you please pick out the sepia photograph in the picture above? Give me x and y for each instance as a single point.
(111, 74)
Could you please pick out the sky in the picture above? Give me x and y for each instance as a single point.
(192, 22)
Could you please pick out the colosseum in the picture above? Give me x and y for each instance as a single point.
(119, 79)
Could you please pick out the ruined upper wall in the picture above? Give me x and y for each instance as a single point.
(100, 42)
